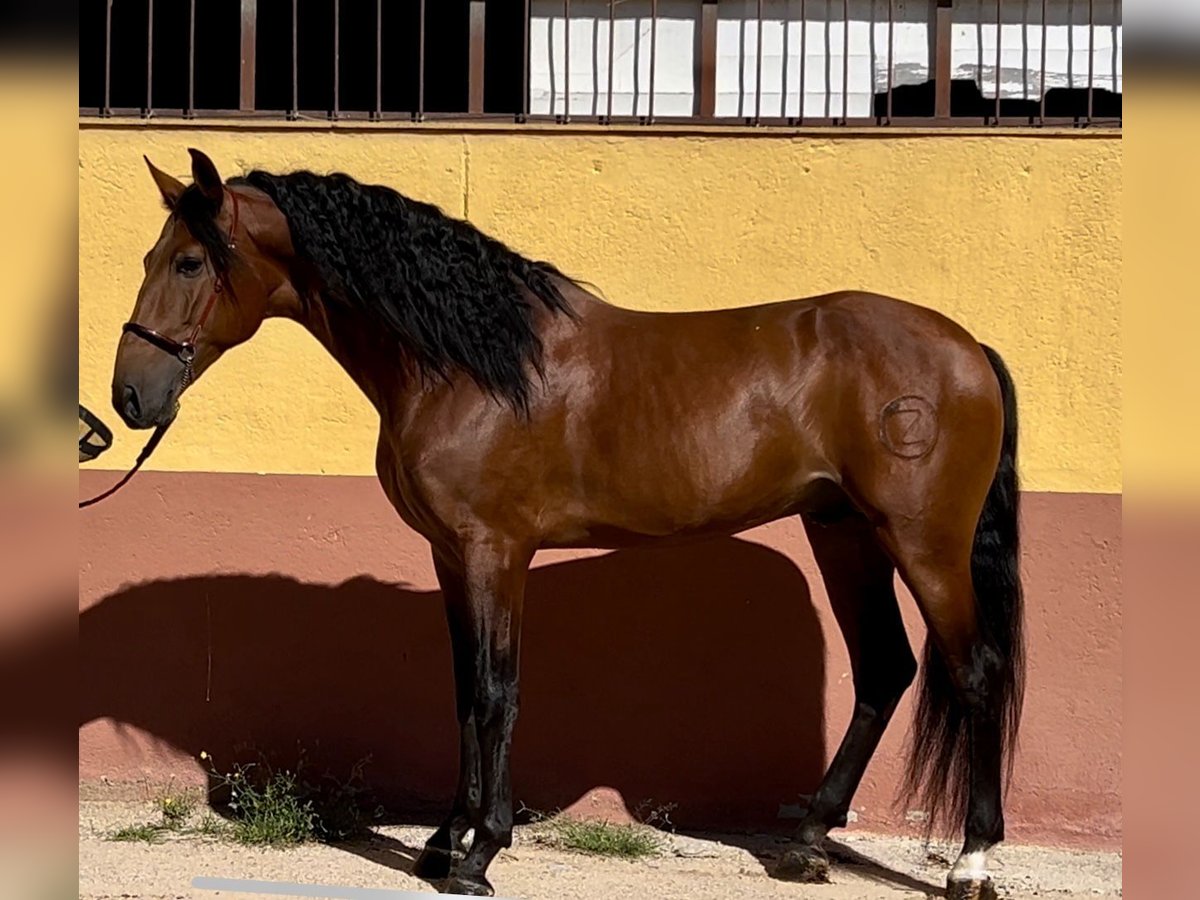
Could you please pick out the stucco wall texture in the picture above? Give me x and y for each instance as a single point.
(236, 597)
(1017, 238)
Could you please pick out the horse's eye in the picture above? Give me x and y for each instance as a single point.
(188, 265)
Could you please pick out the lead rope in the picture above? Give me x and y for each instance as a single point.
(142, 457)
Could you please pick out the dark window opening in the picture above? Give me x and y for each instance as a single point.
(504, 57)
(153, 43)
(968, 102)
(366, 79)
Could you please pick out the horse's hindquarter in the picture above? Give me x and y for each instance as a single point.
(909, 406)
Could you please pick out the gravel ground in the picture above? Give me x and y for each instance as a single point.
(713, 867)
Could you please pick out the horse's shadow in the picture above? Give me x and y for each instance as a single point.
(691, 676)
(384, 850)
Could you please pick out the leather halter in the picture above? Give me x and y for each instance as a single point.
(184, 351)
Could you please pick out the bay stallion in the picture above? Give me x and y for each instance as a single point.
(519, 411)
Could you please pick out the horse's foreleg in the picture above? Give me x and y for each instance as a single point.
(858, 577)
(446, 845)
(494, 587)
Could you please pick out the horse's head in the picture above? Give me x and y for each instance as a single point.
(209, 283)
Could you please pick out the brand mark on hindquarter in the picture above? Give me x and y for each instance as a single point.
(908, 426)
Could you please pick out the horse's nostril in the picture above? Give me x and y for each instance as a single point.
(133, 406)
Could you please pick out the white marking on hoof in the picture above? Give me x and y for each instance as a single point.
(970, 867)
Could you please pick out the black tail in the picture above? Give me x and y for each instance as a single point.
(939, 769)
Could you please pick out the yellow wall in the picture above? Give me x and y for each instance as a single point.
(1017, 237)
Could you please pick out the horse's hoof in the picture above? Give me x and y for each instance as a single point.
(433, 864)
(805, 864)
(469, 887)
(971, 890)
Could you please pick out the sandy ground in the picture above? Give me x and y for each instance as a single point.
(712, 867)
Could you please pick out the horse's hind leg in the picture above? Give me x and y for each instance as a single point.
(859, 580)
(960, 735)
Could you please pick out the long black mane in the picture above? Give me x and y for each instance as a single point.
(448, 295)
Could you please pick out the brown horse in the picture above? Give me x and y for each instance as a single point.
(518, 411)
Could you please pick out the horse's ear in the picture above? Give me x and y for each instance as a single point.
(170, 188)
(205, 174)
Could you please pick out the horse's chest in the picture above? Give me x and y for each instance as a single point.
(403, 492)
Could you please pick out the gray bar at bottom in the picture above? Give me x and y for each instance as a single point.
(323, 891)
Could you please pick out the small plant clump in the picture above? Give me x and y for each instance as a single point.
(280, 808)
(212, 827)
(267, 811)
(602, 838)
(267, 807)
(638, 840)
(175, 809)
(146, 832)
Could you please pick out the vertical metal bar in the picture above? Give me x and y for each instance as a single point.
(525, 63)
(108, 58)
(803, 51)
(295, 63)
(1043, 103)
(1091, 58)
(942, 37)
(337, 54)
(845, 60)
(149, 57)
(421, 65)
(708, 59)
(758, 55)
(249, 54)
(891, 56)
(1115, 60)
(378, 59)
(999, 31)
(566, 60)
(475, 75)
(653, 52)
(611, 38)
(191, 58)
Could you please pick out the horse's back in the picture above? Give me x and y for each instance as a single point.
(802, 347)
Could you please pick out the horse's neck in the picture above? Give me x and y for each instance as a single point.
(378, 372)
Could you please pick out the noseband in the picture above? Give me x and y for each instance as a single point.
(184, 351)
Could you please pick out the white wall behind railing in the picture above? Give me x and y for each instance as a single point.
(676, 38)
(1069, 42)
(815, 30)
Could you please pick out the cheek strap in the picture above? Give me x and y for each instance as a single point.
(185, 351)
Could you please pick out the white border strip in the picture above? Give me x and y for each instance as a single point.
(323, 891)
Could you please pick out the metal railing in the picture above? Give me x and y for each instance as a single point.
(707, 77)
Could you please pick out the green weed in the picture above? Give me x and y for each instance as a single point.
(146, 832)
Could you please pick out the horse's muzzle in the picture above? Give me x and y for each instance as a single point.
(140, 408)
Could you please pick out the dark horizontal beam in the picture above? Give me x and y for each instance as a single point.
(672, 123)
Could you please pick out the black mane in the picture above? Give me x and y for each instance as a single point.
(446, 293)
